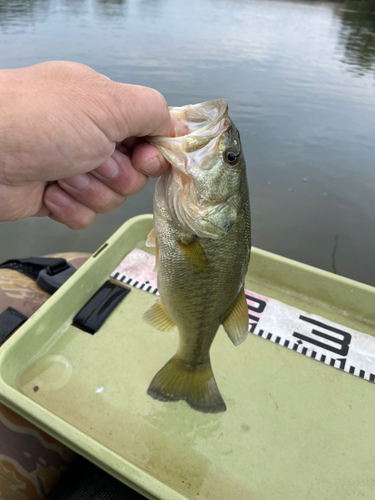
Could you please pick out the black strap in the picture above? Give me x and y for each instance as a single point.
(10, 319)
(85, 481)
(93, 314)
(48, 272)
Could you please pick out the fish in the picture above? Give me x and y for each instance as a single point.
(202, 238)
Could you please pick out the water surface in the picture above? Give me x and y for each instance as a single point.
(299, 79)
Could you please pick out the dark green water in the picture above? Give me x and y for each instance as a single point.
(300, 81)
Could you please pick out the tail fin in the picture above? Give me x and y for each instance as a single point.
(196, 385)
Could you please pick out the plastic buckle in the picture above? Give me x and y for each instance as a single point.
(57, 268)
(51, 278)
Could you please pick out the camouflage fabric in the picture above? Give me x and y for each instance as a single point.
(22, 293)
(31, 462)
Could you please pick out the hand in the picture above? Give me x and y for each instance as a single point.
(69, 142)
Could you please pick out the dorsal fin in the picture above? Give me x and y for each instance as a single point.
(237, 322)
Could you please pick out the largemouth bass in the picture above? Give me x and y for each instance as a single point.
(202, 238)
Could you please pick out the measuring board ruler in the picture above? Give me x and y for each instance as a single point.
(313, 336)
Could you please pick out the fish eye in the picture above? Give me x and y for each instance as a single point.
(231, 157)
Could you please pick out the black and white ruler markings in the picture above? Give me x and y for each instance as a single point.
(137, 270)
(270, 319)
(312, 336)
(145, 286)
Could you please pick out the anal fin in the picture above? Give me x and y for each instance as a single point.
(158, 317)
(236, 323)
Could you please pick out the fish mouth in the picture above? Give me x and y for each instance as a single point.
(198, 117)
(198, 128)
(194, 125)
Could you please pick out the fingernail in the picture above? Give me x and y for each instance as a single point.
(79, 182)
(109, 169)
(151, 166)
(58, 197)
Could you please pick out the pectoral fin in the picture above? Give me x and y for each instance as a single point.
(195, 257)
(158, 317)
(237, 322)
(153, 242)
(156, 256)
(151, 238)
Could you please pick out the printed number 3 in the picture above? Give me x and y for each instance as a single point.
(343, 342)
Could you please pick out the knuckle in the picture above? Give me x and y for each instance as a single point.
(136, 188)
(133, 184)
(82, 222)
(110, 208)
(105, 202)
(76, 216)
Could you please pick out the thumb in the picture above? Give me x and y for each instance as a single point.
(139, 111)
